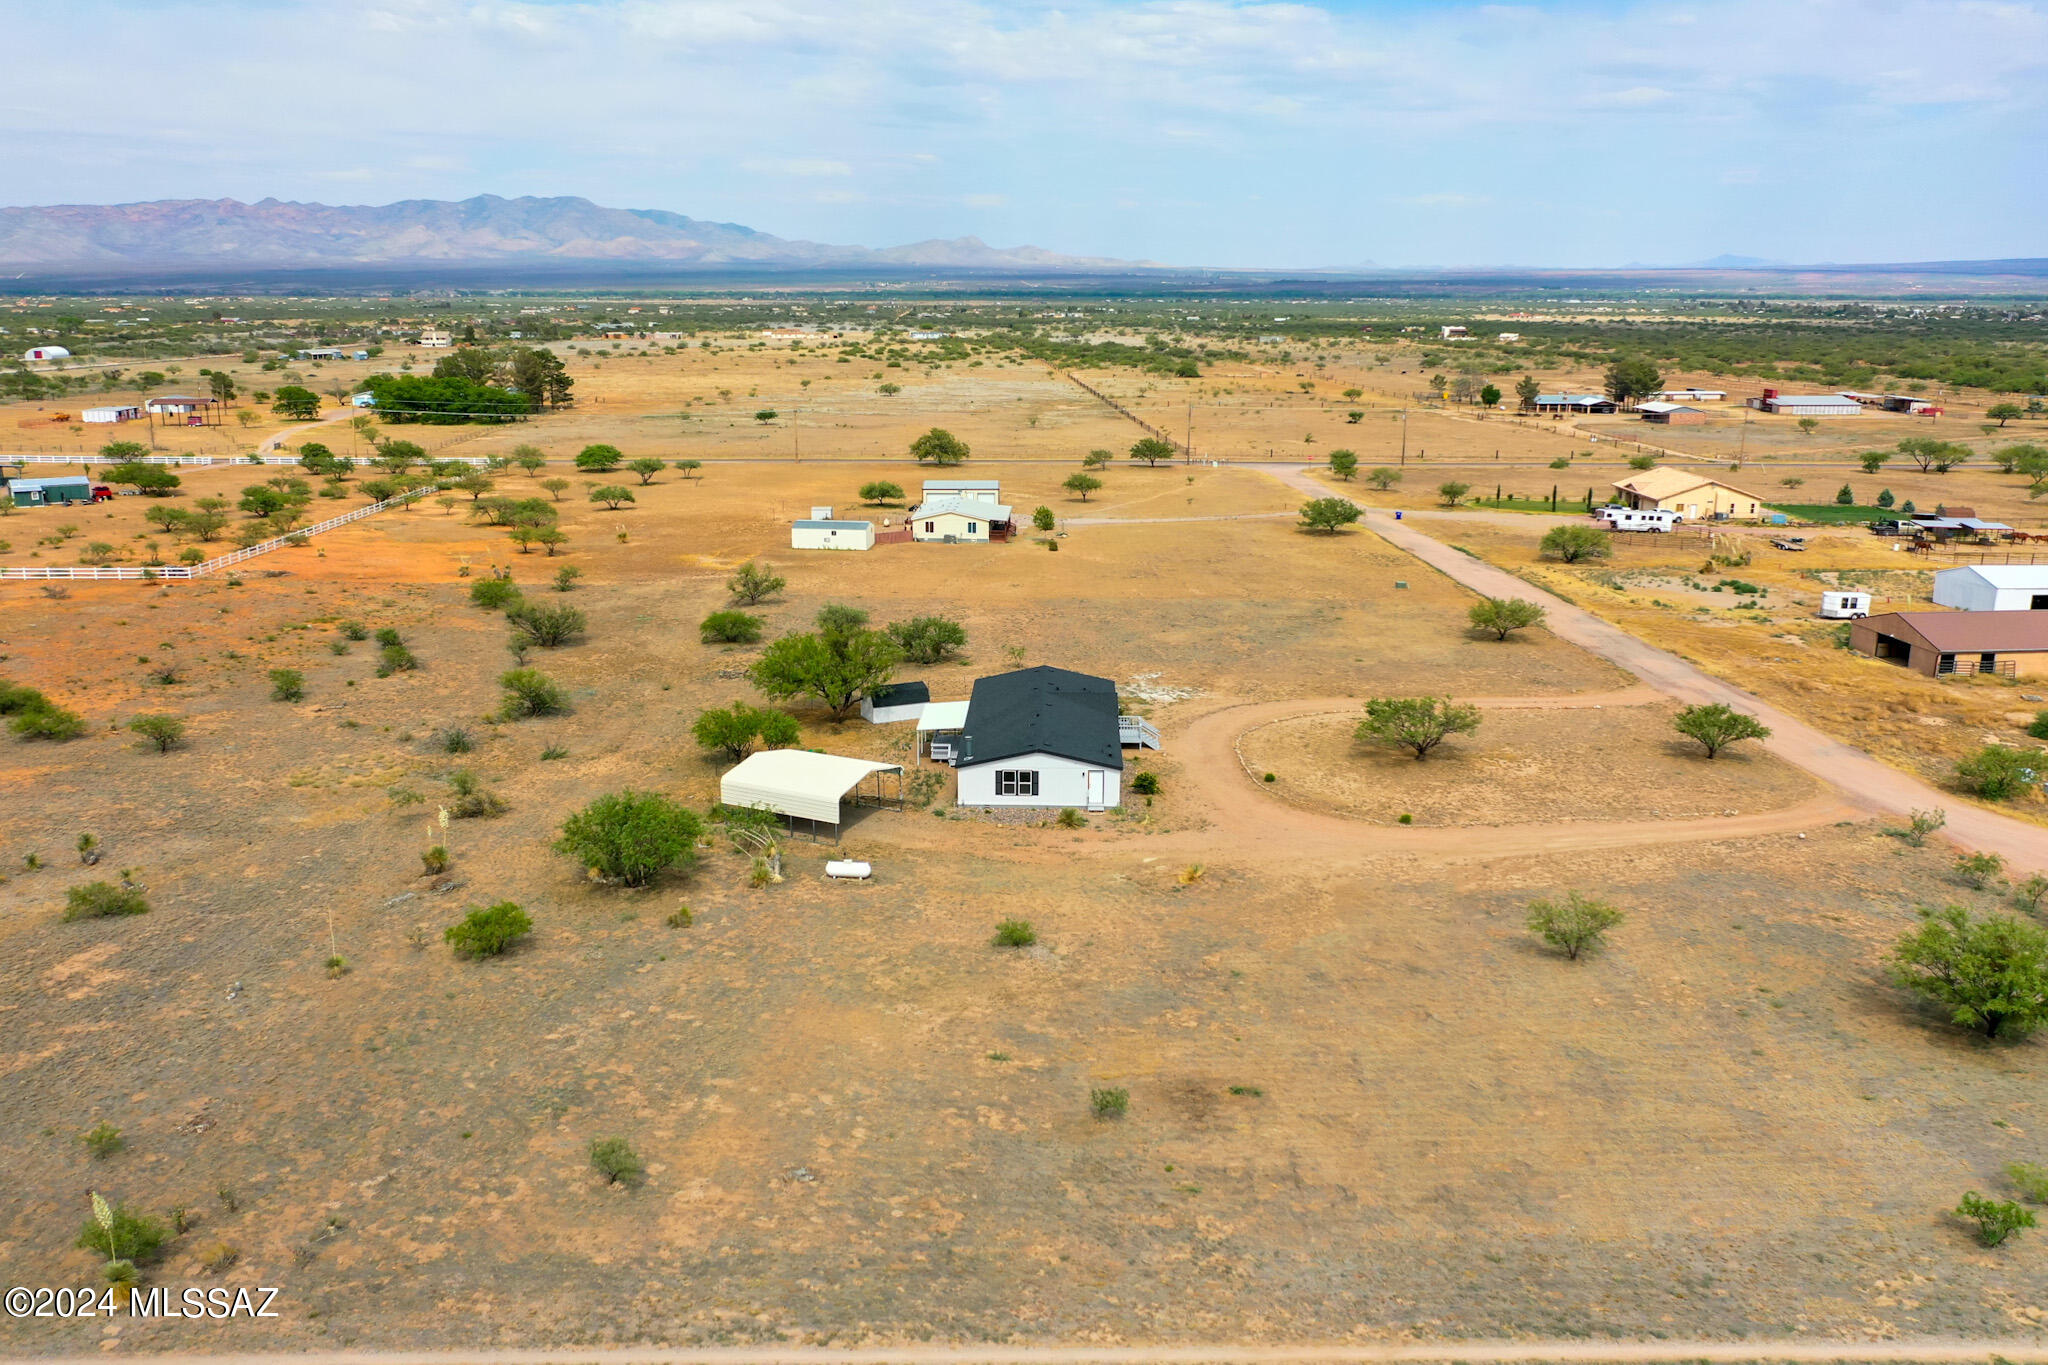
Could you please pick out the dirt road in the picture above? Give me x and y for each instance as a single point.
(1872, 786)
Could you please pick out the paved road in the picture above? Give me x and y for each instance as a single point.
(1872, 786)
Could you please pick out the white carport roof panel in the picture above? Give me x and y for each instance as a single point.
(797, 782)
(943, 715)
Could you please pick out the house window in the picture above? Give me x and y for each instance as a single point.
(973, 528)
(1016, 782)
(930, 527)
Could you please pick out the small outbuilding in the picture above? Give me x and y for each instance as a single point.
(1993, 587)
(938, 729)
(1807, 404)
(1690, 395)
(811, 534)
(896, 701)
(2009, 644)
(112, 414)
(1671, 414)
(804, 785)
(50, 492)
(46, 353)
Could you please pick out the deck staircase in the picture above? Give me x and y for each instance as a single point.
(1138, 731)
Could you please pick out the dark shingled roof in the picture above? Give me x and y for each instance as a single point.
(1042, 711)
(900, 694)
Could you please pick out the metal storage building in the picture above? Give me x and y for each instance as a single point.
(50, 492)
(2010, 644)
(1993, 587)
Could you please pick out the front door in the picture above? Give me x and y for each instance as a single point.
(2040, 602)
(1095, 789)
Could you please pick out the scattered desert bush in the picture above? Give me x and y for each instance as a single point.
(456, 740)
(754, 582)
(1996, 772)
(129, 1236)
(1991, 974)
(98, 900)
(730, 628)
(1716, 726)
(1417, 723)
(928, 639)
(2030, 1179)
(1069, 818)
(102, 1140)
(493, 593)
(1996, 1219)
(1329, 515)
(434, 861)
(287, 684)
(1015, 933)
(1109, 1102)
(469, 800)
(548, 626)
(1145, 784)
(1978, 870)
(735, 729)
(613, 1159)
(1503, 615)
(631, 836)
(1920, 824)
(353, 630)
(395, 659)
(488, 933)
(1573, 925)
(1574, 543)
(163, 733)
(530, 692)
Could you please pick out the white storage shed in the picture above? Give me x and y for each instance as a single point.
(114, 414)
(832, 535)
(803, 785)
(46, 353)
(894, 702)
(1993, 587)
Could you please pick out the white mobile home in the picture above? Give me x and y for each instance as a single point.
(1993, 587)
(1041, 737)
(832, 535)
(114, 414)
(957, 518)
(981, 490)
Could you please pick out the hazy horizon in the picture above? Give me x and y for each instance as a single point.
(1192, 133)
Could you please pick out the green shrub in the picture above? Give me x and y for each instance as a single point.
(1109, 1102)
(48, 722)
(1146, 784)
(129, 1236)
(469, 800)
(1575, 925)
(1996, 1219)
(488, 933)
(14, 698)
(1996, 772)
(97, 900)
(613, 1159)
(548, 626)
(287, 684)
(102, 1140)
(928, 639)
(2030, 1179)
(566, 576)
(2038, 726)
(1990, 974)
(353, 630)
(1015, 933)
(395, 659)
(530, 692)
(631, 836)
(730, 628)
(434, 861)
(1069, 818)
(1978, 870)
(457, 740)
(493, 593)
(387, 636)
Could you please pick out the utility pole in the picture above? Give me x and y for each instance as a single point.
(796, 440)
(1404, 436)
(1191, 434)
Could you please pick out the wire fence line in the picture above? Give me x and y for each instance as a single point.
(155, 572)
(220, 461)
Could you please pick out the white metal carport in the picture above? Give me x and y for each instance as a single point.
(803, 785)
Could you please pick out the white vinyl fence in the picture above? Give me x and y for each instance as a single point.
(18, 572)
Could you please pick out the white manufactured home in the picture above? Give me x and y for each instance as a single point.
(1993, 587)
(832, 535)
(955, 518)
(1045, 737)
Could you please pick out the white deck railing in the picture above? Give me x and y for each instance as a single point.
(147, 572)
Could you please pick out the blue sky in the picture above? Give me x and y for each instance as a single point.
(1190, 132)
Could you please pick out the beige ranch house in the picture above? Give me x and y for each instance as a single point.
(1695, 497)
(951, 517)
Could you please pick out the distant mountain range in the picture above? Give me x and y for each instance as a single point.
(170, 234)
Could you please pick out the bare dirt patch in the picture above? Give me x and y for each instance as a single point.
(1611, 763)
